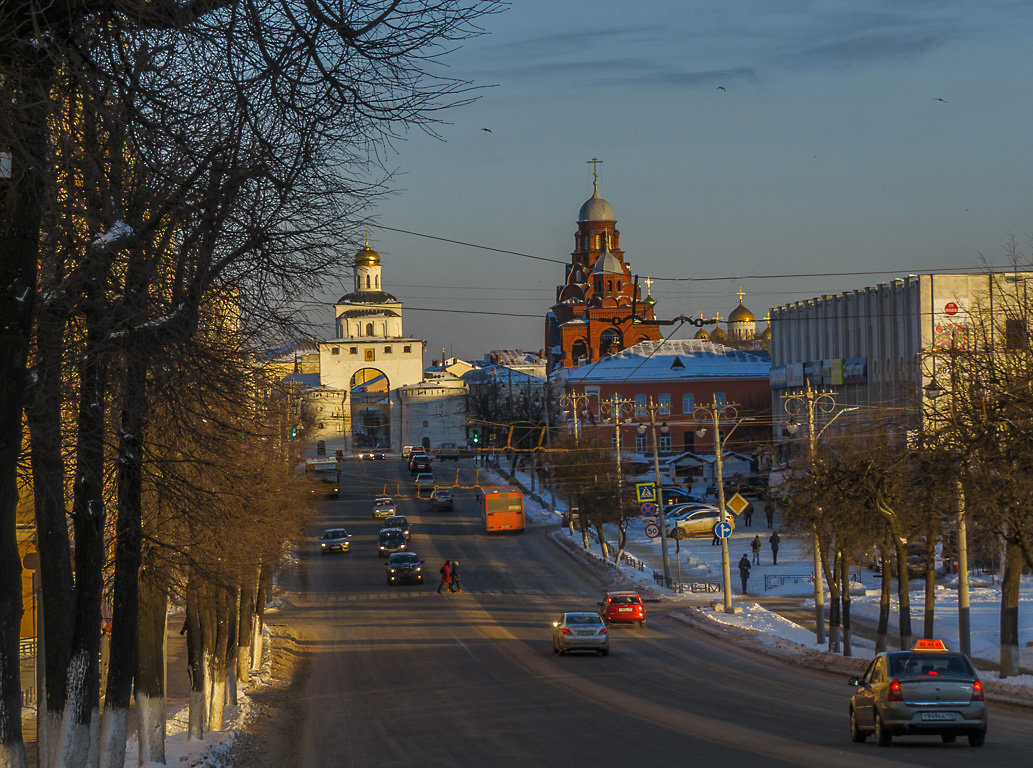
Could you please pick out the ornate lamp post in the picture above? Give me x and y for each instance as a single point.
(574, 403)
(619, 410)
(813, 403)
(718, 413)
(653, 409)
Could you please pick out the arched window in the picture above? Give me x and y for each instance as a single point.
(610, 342)
(579, 351)
(367, 281)
(369, 329)
(378, 281)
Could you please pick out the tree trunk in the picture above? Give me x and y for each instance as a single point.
(78, 723)
(195, 661)
(218, 657)
(233, 622)
(844, 565)
(151, 671)
(886, 589)
(245, 628)
(128, 539)
(1013, 562)
(831, 570)
(903, 594)
(604, 548)
(265, 580)
(930, 587)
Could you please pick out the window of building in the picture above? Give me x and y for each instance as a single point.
(369, 329)
(640, 406)
(719, 398)
(407, 348)
(664, 401)
(688, 404)
(378, 281)
(426, 424)
(665, 442)
(689, 439)
(1015, 336)
(640, 443)
(353, 350)
(335, 350)
(387, 350)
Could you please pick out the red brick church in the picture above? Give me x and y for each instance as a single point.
(599, 311)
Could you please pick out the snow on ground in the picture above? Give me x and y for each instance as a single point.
(699, 560)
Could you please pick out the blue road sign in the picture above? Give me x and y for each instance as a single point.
(723, 530)
(648, 509)
(645, 492)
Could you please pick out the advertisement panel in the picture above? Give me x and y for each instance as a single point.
(855, 370)
(812, 372)
(832, 372)
(777, 377)
(794, 375)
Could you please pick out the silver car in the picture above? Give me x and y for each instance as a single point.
(927, 690)
(580, 631)
(335, 540)
(383, 506)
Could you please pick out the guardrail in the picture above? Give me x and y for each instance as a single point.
(27, 647)
(773, 580)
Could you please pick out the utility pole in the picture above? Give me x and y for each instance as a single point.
(620, 410)
(653, 409)
(813, 403)
(717, 413)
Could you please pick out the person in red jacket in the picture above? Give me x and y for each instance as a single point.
(446, 577)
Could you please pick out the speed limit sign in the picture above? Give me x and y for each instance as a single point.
(652, 530)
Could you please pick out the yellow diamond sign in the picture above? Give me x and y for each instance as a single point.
(737, 504)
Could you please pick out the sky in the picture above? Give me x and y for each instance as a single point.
(779, 147)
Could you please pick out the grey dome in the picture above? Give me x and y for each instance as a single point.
(596, 209)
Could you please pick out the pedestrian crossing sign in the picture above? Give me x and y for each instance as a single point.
(645, 492)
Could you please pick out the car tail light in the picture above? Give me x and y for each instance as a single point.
(565, 631)
(602, 631)
(895, 694)
(977, 691)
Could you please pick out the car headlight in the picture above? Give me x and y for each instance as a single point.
(323, 544)
(418, 570)
(393, 571)
(382, 546)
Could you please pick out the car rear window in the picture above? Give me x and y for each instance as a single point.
(910, 666)
(574, 618)
(626, 600)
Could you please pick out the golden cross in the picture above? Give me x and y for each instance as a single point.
(740, 293)
(649, 285)
(595, 167)
(717, 316)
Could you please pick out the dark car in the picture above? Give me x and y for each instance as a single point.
(441, 500)
(928, 690)
(404, 568)
(401, 522)
(419, 464)
(335, 540)
(390, 540)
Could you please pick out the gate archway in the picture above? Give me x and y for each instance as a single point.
(370, 409)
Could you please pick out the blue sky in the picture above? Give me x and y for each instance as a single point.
(849, 137)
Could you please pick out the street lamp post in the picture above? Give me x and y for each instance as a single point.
(620, 410)
(716, 413)
(653, 409)
(813, 403)
(574, 402)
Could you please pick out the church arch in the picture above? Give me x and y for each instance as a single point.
(579, 351)
(369, 329)
(369, 396)
(611, 341)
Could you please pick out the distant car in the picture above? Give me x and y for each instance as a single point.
(404, 568)
(928, 690)
(383, 506)
(406, 451)
(673, 496)
(701, 522)
(681, 511)
(447, 452)
(623, 608)
(441, 499)
(401, 522)
(580, 631)
(419, 463)
(335, 540)
(390, 540)
(424, 481)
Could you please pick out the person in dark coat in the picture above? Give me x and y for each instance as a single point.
(446, 577)
(747, 516)
(755, 545)
(773, 540)
(744, 570)
(455, 585)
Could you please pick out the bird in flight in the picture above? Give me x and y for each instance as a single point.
(939, 99)
(488, 130)
(721, 88)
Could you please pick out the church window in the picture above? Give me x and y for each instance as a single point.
(407, 349)
(369, 329)
(378, 281)
(367, 281)
(609, 285)
(427, 424)
(353, 350)
(664, 401)
(687, 403)
(387, 350)
(335, 350)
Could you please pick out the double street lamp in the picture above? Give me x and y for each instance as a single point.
(654, 409)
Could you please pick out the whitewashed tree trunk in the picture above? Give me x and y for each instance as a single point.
(150, 714)
(93, 756)
(113, 732)
(256, 647)
(49, 737)
(195, 727)
(217, 702)
(12, 755)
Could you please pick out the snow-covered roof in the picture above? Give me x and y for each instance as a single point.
(675, 360)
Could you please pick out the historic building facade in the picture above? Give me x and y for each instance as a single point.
(599, 309)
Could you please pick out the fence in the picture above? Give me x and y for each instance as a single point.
(771, 581)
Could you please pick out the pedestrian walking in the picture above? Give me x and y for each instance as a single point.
(769, 513)
(446, 577)
(744, 570)
(755, 545)
(455, 585)
(716, 540)
(773, 540)
(747, 516)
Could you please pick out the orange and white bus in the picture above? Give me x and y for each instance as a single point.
(502, 509)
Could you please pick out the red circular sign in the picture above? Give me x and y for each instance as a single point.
(652, 530)
(950, 308)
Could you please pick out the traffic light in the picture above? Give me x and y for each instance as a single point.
(294, 431)
(476, 437)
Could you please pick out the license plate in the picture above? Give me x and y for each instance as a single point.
(937, 716)
(584, 633)
(624, 610)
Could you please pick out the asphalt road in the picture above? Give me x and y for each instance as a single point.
(404, 676)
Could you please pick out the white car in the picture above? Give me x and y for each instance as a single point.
(424, 482)
(383, 506)
(700, 522)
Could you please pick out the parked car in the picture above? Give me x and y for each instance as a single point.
(403, 568)
(401, 522)
(700, 522)
(681, 511)
(623, 608)
(675, 496)
(928, 690)
(441, 500)
(335, 540)
(580, 631)
(390, 540)
(424, 481)
(383, 506)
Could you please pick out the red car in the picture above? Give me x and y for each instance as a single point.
(623, 608)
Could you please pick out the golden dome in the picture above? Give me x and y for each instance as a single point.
(702, 334)
(766, 333)
(717, 334)
(741, 315)
(367, 257)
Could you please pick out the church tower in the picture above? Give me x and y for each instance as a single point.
(599, 310)
(368, 311)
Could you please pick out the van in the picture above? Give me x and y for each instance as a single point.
(406, 451)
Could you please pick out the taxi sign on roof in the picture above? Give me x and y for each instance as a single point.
(926, 644)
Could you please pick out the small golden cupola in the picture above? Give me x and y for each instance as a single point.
(742, 325)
